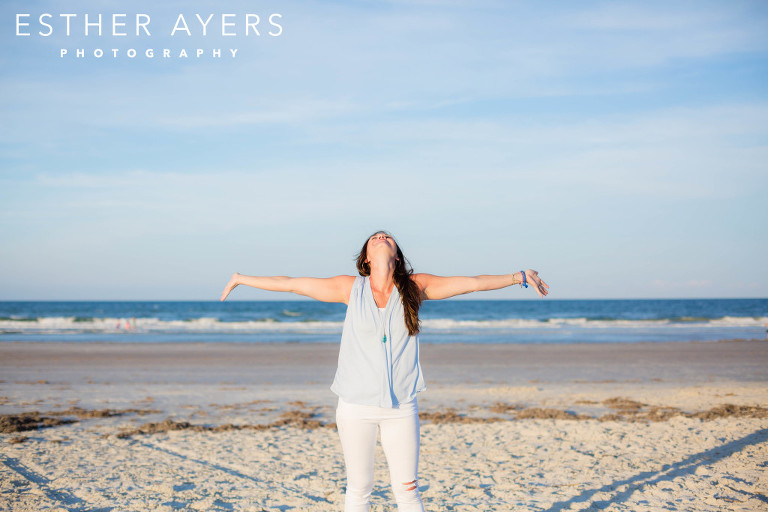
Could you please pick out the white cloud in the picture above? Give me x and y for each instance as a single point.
(286, 112)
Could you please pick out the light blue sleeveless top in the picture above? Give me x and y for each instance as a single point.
(378, 359)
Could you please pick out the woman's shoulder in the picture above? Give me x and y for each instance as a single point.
(354, 281)
(347, 281)
(421, 279)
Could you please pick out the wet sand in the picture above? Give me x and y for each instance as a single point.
(652, 426)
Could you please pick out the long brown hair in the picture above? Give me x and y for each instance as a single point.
(409, 291)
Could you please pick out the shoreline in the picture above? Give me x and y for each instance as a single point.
(179, 377)
(709, 354)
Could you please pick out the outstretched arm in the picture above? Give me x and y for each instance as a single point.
(439, 287)
(330, 289)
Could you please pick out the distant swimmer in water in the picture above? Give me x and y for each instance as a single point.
(379, 373)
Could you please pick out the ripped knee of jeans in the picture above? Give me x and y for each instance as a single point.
(407, 496)
(411, 486)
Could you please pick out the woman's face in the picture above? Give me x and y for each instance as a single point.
(381, 242)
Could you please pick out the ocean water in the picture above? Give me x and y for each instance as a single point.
(448, 321)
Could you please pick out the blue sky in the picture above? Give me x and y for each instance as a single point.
(620, 148)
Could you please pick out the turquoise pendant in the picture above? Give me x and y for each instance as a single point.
(384, 339)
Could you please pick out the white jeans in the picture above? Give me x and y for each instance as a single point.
(358, 428)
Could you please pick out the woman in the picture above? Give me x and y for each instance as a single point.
(379, 374)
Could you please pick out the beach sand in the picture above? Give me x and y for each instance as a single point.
(183, 426)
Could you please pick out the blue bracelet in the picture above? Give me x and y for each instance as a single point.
(524, 284)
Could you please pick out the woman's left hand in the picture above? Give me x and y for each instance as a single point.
(533, 279)
(231, 285)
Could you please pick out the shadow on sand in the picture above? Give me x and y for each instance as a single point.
(623, 489)
(62, 497)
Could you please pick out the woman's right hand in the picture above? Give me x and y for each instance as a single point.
(231, 285)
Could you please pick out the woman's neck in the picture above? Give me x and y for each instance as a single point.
(382, 276)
